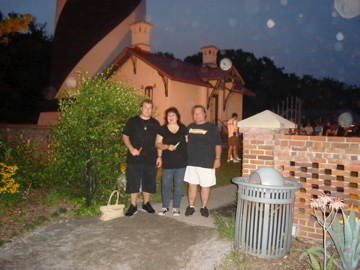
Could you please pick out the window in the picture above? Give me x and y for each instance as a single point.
(149, 92)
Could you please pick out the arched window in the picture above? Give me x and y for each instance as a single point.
(149, 92)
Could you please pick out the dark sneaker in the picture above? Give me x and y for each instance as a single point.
(148, 208)
(204, 211)
(132, 211)
(176, 212)
(189, 211)
(163, 211)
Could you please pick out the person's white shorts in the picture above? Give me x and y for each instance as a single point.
(204, 177)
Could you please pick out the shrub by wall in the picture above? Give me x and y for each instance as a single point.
(38, 134)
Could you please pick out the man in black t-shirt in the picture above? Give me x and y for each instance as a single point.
(143, 158)
(204, 152)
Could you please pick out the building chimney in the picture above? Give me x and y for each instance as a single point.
(140, 35)
(209, 55)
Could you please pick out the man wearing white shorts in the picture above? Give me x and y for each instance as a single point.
(204, 152)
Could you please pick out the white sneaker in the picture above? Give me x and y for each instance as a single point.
(176, 212)
(163, 211)
(236, 161)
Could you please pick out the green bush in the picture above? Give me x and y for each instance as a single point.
(29, 159)
(26, 156)
(86, 145)
(52, 197)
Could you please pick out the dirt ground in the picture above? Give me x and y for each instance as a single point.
(29, 214)
(32, 210)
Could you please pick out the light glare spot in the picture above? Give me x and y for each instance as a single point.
(286, 51)
(232, 22)
(338, 47)
(170, 29)
(339, 36)
(148, 18)
(347, 8)
(195, 24)
(251, 7)
(283, 2)
(270, 23)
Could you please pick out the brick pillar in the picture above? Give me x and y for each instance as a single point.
(258, 148)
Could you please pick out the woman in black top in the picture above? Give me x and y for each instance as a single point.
(172, 139)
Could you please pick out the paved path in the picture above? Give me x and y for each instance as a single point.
(140, 242)
(219, 197)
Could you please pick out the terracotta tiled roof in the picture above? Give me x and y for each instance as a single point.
(178, 70)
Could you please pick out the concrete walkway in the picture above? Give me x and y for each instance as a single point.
(141, 242)
(219, 197)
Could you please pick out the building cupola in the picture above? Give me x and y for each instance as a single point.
(140, 35)
(209, 56)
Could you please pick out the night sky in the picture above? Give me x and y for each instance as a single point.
(303, 37)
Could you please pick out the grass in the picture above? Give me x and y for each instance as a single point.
(40, 220)
(32, 226)
(227, 171)
(235, 260)
(17, 219)
(52, 197)
(225, 226)
(24, 209)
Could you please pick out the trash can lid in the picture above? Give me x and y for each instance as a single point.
(267, 176)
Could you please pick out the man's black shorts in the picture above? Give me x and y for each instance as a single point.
(140, 173)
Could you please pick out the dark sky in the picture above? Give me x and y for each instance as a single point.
(303, 36)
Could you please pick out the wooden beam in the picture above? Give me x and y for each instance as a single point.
(226, 96)
(133, 60)
(166, 83)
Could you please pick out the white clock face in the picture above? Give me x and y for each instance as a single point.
(71, 82)
(225, 64)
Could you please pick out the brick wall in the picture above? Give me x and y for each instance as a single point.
(13, 132)
(319, 163)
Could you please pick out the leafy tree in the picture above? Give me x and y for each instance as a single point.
(13, 25)
(165, 54)
(195, 59)
(87, 148)
(321, 97)
(25, 63)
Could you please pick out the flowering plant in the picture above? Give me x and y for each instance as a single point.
(320, 206)
(346, 237)
(121, 180)
(7, 183)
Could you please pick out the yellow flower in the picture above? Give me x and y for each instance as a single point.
(123, 167)
(7, 184)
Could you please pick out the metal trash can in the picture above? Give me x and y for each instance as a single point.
(264, 214)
